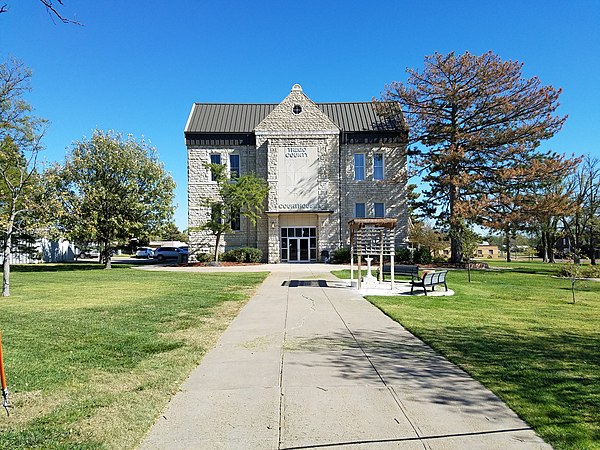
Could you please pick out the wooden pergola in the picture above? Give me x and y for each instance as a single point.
(372, 237)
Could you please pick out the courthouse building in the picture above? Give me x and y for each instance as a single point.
(325, 163)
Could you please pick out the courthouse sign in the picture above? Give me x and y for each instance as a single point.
(297, 183)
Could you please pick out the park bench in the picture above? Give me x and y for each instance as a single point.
(432, 279)
(408, 270)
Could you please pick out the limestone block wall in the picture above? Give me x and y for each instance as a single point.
(201, 186)
(328, 183)
(391, 190)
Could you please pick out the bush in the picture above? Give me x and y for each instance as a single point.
(439, 259)
(242, 255)
(422, 255)
(341, 256)
(204, 257)
(403, 255)
(580, 271)
(253, 255)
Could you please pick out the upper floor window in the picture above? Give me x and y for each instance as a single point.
(234, 166)
(360, 212)
(378, 166)
(359, 166)
(379, 210)
(214, 159)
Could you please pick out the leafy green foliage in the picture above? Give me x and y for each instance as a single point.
(242, 196)
(21, 201)
(341, 256)
(243, 255)
(422, 255)
(403, 255)
(112, 188)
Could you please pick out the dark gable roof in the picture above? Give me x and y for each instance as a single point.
(234, 123)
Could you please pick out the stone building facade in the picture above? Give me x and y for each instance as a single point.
(325, 164)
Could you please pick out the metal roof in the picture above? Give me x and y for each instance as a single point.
(350, 117)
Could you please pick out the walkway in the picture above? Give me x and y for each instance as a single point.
(310, 364)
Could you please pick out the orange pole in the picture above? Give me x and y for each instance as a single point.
(3, 379)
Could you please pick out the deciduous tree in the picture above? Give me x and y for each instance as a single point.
(508, 202)
(241, 196)
(582, 226)
(20, 142)
(472, 117)
(112, 188)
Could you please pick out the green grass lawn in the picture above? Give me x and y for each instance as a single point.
(92, 356)
(516, 331)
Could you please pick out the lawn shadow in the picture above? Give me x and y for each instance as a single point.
(58, 267)
(557, 367)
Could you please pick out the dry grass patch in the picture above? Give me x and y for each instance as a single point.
(93, 356)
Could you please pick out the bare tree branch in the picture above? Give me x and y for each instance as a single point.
(51, 9)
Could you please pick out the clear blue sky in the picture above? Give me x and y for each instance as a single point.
(137, 66)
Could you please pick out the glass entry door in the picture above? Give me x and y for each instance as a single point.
(299, 244)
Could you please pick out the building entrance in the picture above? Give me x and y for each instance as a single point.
(299, 244)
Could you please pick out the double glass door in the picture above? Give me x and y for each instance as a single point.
(299, 244)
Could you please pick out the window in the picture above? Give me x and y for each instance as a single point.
(359, 166)
(236, 222)
(360, 210)
(214, 159)
(378, 166)
(234, 166)
(379, 209)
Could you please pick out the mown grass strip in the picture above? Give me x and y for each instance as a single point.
(92, 356)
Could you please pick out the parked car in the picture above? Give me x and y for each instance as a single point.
(144, 252)
(90, 253)
(162, 253)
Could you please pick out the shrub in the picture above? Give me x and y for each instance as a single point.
(422, 255)
(253, 255)
(341, 256)
(403, 255)
(242, 255)
(204, 257)
(580, 271)
(439, 259)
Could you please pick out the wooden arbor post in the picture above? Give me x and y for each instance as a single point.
(363, 235)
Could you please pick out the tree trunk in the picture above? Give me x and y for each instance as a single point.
(217, 242)
(550, 247)
(6, 269)
(592, 247)
(544, 244)
(507, 241)
(456, 231)
(105, 253)
(6, 253)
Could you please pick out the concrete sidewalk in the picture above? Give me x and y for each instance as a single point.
(309, 366)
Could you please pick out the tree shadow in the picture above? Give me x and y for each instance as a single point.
(64, 267)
